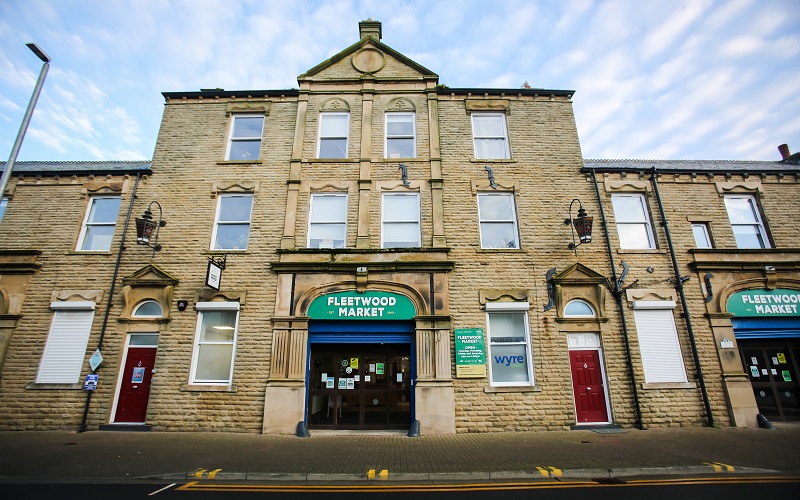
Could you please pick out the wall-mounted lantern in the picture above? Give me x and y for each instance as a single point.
(147, 228)
(581, 225)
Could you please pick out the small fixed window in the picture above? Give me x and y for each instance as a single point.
(490, 136)
(327, 221)
(148, 309)
(498, 220)
(702, 236)
(245, 137)
(510, 360)
(748, 228)
(633, 222)
(215, 343)
(232, 222)
(401, 135)
(333, 134)
(400, 220)
(578, 309)
(99, 224)
(3, 205)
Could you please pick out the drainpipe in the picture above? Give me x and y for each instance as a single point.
(111, 295)
(617, 291)
(679, 280)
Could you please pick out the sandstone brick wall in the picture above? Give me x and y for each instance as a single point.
(544, 173)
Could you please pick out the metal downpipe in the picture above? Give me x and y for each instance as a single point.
(679, 287)
(109, 300)
(618, 297)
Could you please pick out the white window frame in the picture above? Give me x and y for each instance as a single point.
(705, 234)
(413, 118)
(757, 223)
(385, 225)
(346, 137)
(87, 224)
(202, 308)
(567, 314)
(3, 206)
(659, 346)
(482, 220)
(218, 223)
(522, 309)
(232, 139)
(136, 310)
(325, 221)
(644, 220)
(65, 349)
(477, 138)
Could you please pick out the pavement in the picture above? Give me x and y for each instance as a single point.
(332, 457)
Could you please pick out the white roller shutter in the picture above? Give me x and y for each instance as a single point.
(658, 342)
(65, 349)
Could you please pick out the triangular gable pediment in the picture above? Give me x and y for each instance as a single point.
(367, 57)
(577, 272)
(148, 276)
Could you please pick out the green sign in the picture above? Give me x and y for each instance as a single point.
(765, 303)
(470, 353)
(369, 305)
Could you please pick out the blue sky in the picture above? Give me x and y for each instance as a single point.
(654, 79)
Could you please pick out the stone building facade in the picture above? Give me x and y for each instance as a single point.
(373, 250)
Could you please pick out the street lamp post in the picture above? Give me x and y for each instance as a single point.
(24, 127)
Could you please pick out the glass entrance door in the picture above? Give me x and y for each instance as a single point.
(359, 386)
(772, 366)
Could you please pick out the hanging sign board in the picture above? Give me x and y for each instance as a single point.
(369, 305)
(214, 275)
(470, 353)
(765, 303)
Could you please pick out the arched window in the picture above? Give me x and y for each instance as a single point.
(578, 308)
(148, 309)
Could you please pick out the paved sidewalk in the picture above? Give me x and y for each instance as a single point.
(116, 456)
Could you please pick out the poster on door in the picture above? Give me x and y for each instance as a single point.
(138, 375)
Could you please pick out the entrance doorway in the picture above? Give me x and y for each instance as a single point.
(135, 378)
(359, 386)
(588, 387)
(772, 366)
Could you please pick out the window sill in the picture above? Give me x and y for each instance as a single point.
(208, 388)
(641, 251)
(395, 160)
(54, 387)
(220, 251)
(89, 252)
(240, 162)
(498, 250)
(493, 160)
(669, 385)
(331, 160)
(513, 388)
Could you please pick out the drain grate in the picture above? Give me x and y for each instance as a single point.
(608, 480)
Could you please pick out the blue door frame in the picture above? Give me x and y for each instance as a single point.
(362, 332)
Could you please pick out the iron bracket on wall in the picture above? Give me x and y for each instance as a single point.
(551, 289)
(404, 170)
(709, 290)
(491, 177)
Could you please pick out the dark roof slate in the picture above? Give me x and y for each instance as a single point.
(79, 167)
(692, 166)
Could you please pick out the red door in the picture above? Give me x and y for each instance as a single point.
(587, 385)
(134, 391)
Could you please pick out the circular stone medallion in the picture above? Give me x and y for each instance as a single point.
(368, 60)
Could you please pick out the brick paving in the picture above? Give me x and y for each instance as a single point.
(120, 455)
